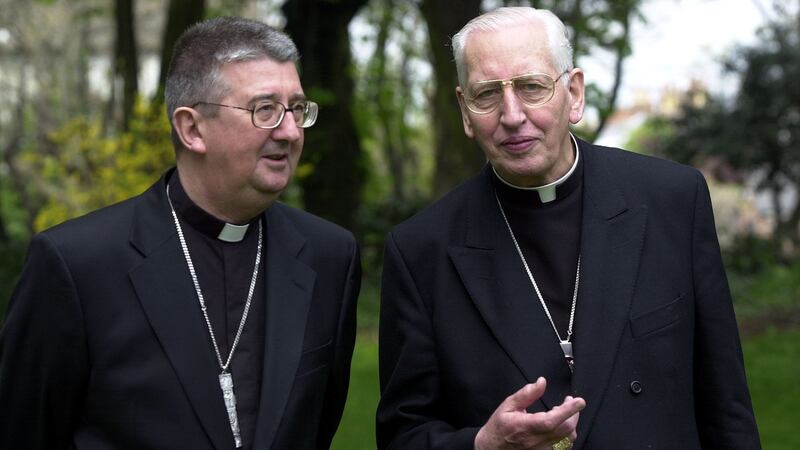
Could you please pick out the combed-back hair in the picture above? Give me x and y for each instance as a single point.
(500, 18)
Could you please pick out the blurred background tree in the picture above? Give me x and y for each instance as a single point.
(752, 137)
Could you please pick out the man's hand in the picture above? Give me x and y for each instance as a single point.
(512, 427)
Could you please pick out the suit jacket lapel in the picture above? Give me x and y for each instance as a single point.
(168, 298)
(290, 285)
(493, 274)
(611, 243)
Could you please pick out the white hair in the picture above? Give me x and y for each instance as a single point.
(500, 18)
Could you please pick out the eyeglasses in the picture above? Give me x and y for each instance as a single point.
(268, 114)
(533, 89)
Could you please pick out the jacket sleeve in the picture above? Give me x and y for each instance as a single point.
(410, 411)
(345, 341)
(722, 401)
(43, 355)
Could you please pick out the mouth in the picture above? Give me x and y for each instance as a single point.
(517, 143)
(277, 157)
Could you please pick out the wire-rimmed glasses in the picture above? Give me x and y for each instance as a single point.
(533, 89)
(267, 114)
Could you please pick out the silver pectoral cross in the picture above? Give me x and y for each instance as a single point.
(226, 383)
(566, 347)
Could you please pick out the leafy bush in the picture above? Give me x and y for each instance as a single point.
(87, 169)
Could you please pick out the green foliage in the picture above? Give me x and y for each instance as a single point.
(376, 219)
(90, 170)
(392, 117)
(649, 138)
(773, 368)
(770, 293)
(768, 104)
(750, 255)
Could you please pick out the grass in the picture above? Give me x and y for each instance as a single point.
(773, 371)
(774, 289)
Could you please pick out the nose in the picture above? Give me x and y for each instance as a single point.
(287, 130)
(512, 112)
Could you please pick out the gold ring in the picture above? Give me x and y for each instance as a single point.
(563, 444)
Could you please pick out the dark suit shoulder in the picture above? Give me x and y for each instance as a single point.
(645, 169)
(445, 216)
(91, 230)
(312, 226)
(116, 235)
(644, 178)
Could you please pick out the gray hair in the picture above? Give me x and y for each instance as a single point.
(557, 36)
(195, 71)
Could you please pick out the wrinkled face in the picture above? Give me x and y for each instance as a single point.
(528, 146)
(245, 159)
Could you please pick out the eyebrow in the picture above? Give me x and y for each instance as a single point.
(271, 97)
(515, 76)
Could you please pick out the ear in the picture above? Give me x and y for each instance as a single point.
(577, 94)
(187, 123)
(464, 113)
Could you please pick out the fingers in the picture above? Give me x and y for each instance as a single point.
(562, 420)
(512, 427)
(524, 397)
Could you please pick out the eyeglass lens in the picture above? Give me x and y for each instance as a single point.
(269, 114)
(533, 90)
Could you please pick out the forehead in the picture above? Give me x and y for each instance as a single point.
(262, 77)
(507, 52)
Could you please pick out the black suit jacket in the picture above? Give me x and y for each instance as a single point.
(105, 346)
(657, 351)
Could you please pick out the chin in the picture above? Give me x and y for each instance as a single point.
(272, 186)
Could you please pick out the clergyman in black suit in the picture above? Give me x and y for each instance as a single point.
(568, 294)
(201, 314)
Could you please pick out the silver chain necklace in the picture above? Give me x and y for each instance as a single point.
(566, 345)
(225, 378)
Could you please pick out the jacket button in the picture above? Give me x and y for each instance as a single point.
(636, 387)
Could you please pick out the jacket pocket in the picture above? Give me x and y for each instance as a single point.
(658, 318)
(314, 359)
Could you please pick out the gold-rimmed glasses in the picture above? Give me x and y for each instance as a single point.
(268, 114)
(532, 89)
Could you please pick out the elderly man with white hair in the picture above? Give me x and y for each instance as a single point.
(568, 294)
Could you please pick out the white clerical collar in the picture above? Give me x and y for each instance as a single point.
(201, 220)
(233, 233)
(547, 192)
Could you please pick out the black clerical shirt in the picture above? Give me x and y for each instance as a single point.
(549, 236)
(224, 271)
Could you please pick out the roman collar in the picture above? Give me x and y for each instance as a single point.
(202, 221)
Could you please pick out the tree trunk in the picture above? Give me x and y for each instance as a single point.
(126, 64)
(391, 142)
(320, 29)
(180, 16)
(606, 110)
(621, 12)
(457, 156)
(18, 181)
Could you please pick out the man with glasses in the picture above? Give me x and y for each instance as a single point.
(201, 314)
(569, 294)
